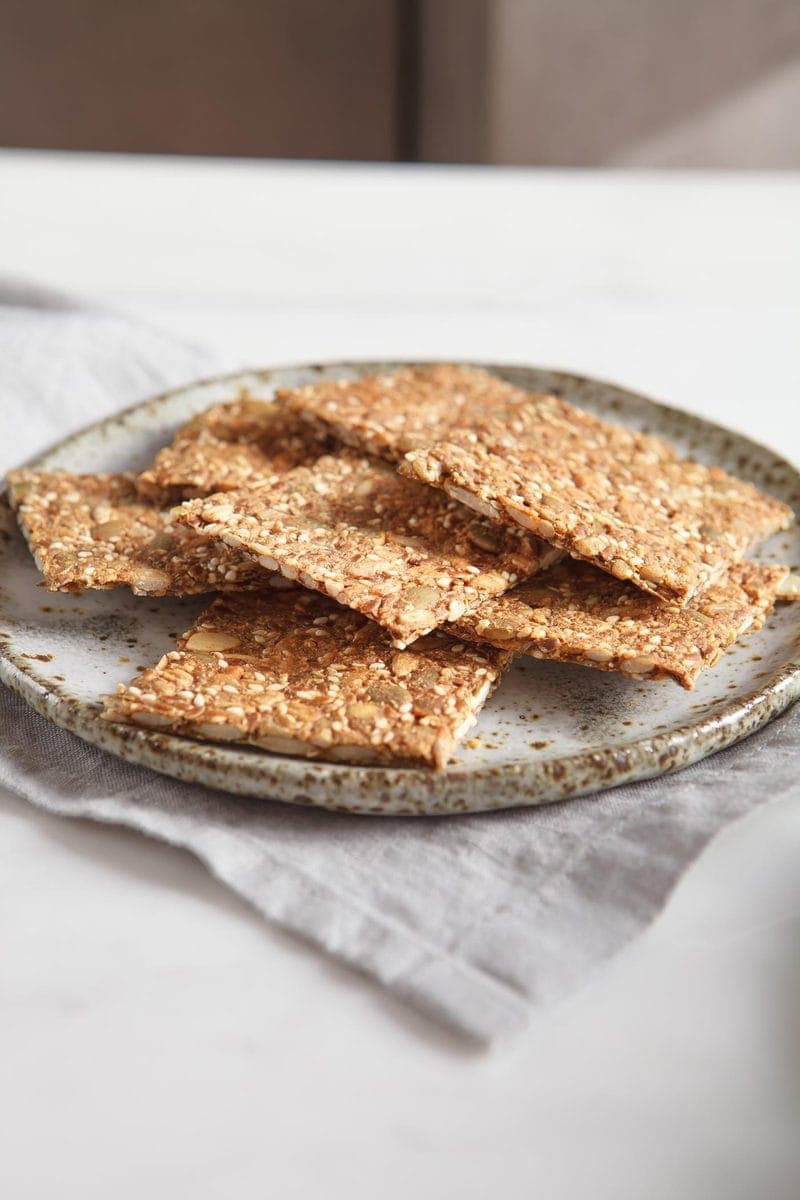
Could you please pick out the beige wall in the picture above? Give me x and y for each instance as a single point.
(624, 82)
(300, 78)
(578, 82)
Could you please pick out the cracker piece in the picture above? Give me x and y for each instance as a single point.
(575, 613)
(389, 414)
(351, 527)
(294, 673)
(95, 531)
(232, 445)
(618, 499)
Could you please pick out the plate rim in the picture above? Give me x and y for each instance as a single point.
(309, 782)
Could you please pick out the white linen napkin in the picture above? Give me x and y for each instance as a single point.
(476, 920)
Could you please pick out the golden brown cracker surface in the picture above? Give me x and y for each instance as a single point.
(294, 673)
(95, 531)
(351, 527)
(575, 613)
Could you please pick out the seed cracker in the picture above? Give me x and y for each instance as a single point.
(402, 554)
(95, 531)
(232, 445)
(294, 673)
(604, 494)
(390, 414)
(575, 613)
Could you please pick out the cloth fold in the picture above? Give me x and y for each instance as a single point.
(476, 920)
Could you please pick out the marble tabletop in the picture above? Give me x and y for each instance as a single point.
(157, 1038)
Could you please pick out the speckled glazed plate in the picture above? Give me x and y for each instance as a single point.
(550, 732)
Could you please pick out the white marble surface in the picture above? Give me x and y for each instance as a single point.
(156, 1037)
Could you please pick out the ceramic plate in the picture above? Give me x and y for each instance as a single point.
(550, 731)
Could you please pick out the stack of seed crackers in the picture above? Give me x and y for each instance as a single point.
(382, 547)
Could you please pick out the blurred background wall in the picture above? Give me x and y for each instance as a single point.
(579, 82)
